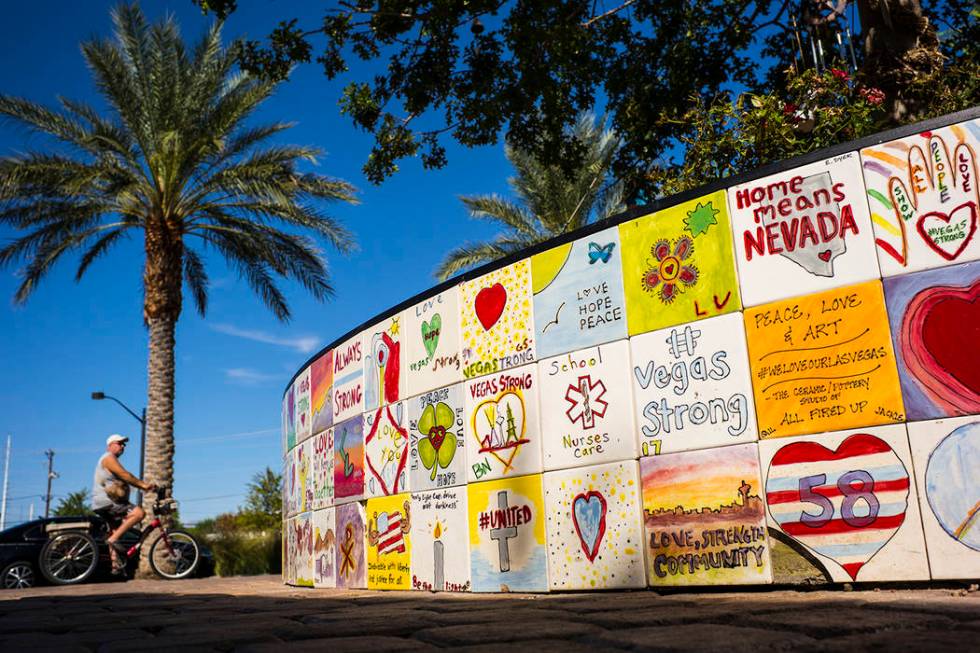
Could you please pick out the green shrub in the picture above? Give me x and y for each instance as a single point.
(246, 554)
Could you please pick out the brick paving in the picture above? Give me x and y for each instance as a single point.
(259, 614)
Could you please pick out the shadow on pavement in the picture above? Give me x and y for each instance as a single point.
(250, 619)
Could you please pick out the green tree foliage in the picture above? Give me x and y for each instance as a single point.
(74, 504)
(249, 540)
(729, 135)
(173, 163)
(263, 503)
(475, 70)
(550, 200)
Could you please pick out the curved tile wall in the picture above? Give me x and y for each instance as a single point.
(774, 380)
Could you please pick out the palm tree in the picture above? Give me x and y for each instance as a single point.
(74, 504)
(174, 161)
(551, 200)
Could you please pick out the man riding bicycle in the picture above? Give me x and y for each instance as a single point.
(110, 497)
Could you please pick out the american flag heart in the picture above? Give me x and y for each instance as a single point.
(390, 538)
(844, 504)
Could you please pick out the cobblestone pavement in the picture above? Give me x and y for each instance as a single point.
(260, 614)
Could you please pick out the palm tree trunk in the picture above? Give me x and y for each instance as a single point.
(162, 277)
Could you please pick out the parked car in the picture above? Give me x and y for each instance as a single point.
(20, 550)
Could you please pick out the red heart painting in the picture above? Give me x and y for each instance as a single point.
(931, 225)
(490, 304)
(824, 255)
(938, 343)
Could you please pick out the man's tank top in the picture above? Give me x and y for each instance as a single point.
(102, 477)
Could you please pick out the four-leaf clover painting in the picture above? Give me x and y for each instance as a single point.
(438, 444)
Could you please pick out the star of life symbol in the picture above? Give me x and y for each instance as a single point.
(585, 399)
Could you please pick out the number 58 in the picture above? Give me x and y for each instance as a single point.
(854, 485)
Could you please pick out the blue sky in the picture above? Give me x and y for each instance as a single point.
(71, 339)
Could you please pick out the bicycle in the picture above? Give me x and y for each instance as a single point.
(71, 554)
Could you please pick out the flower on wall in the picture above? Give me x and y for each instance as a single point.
(670, 275)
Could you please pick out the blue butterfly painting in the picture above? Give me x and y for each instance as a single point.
(597, 253)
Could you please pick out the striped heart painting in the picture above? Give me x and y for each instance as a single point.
(844, 504)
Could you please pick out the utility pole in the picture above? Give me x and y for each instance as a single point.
(6, 475)
(51, 476)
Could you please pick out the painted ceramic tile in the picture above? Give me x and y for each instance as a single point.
(304, 415)
(291, 481)
(304, 451)
(299, 479)
(502, 429)
(440, 541)
(348, 379)
(935, 328)
(321, 385)
(351, 546)
(292, 543)
(348, 463)
(924, 198)
(322, 470)
(692, 386)
(847, 499)
(578, 294)
(508, 549)
(384, 362)
(385, 451)
(437, 441)
(324, 549)
(704, 520)
(389, 552)
(823, 362)
(284, 487)
(678, 265)
(587, 407)
(595, 534)
(802, 231)
(289, 410)
(946, 456)
(496, 321)
(432, 342)
(303, 561)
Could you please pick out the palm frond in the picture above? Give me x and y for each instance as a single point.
(494, 207)
(43, 247)
(550, 200)
(175, 158)
(197, 280)
(468, 256)
(98, 248)
(287, 255)
(247, 260)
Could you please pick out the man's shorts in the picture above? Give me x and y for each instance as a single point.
(116, 512)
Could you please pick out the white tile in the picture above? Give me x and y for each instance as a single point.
(946, 456)
(587, 407)
(691, 386)
(595, 536)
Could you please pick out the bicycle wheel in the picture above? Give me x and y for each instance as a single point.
(69, 557)
(174, 555)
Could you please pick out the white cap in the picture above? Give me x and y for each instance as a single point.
(115, 437)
